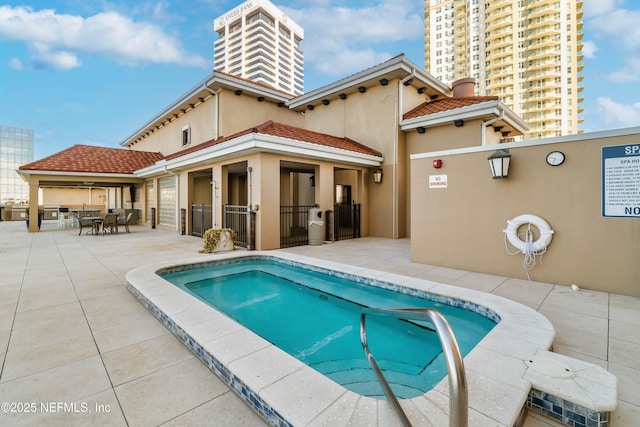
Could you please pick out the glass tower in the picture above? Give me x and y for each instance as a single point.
(16, 149)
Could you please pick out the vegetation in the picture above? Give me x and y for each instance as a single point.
(215, 238)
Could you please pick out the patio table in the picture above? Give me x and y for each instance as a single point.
(95, 221)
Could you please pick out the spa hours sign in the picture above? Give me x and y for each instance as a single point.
(621, 181)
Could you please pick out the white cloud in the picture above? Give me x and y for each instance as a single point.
(599, 7)
(630, 73)
(340, 40)
(589, 49)
(16, 64)
(617, 115)
(56, 40)
(621, 25)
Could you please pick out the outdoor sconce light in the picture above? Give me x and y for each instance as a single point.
(343, 96)
(499, 163)
(325, 102)
(458, 123)
(384, 82)
(377, 176)
(310, 107)
(437, 163)
(238, 92)
(362, 89)
(421, 129)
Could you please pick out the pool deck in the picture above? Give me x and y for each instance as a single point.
(77, 348)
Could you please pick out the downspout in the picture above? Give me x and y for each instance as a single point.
(394, 173)
(216, 135)
(249, 170)
(489, 123)
(216, 118)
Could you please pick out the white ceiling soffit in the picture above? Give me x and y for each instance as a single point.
(488, 110)
(214, 80)
(398, 67)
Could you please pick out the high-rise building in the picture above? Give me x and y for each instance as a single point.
(257, 41)
(528, 53)
(16, 149)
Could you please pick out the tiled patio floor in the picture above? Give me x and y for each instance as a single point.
(77, 349)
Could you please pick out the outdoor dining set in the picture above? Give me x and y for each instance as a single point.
(103, 224)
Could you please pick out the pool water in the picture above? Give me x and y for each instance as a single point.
(315, 317)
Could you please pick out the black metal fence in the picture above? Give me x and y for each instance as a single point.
(241, 220)
(346, 221)
(201, 219)
(294, 225)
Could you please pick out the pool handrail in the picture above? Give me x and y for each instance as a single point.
(458, 395)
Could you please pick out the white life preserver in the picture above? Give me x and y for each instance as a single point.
(543, 228)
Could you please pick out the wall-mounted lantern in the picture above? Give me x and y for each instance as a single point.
(377, 176)
(499, 163)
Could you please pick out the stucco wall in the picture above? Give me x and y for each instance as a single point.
(461, 226)
(372, 119)
(237, 113)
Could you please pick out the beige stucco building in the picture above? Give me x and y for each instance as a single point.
(234, 153)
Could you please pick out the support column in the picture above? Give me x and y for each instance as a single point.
(34, 184)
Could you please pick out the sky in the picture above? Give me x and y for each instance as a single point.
(92, 72)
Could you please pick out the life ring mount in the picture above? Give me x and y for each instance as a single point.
(528, 246)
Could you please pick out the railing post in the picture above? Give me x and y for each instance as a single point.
(458, 395)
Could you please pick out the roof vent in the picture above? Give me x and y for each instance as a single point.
(464, 87)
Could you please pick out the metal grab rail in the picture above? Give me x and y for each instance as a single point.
(458, 398)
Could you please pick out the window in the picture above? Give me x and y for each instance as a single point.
(186, 136)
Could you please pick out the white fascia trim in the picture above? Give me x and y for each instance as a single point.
(61, 173)
(184, 98)
(94, 174)
(400, 63)
(262, 143)
(530, 143)
(467, 113)
(211, 80)
(248, 86)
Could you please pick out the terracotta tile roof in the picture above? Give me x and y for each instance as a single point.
(290, 132)
(92, 159)
(445, 104)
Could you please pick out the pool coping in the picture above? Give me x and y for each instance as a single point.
(285, 391)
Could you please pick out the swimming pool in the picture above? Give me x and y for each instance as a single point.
(314, 316)
(286, 392)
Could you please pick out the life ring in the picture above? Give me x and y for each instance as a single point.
(543, 228)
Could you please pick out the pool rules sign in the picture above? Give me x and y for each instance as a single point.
(621, 181)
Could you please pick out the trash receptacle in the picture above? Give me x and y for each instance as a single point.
(315, 226)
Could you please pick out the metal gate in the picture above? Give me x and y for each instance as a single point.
(200, 219)
(243, 221)
(294, 225)
(346, 221)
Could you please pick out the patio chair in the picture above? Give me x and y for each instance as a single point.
(85, 223)
(126, 221)
(110, 222)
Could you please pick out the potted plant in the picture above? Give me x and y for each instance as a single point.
(218, 240)
(40, 214)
